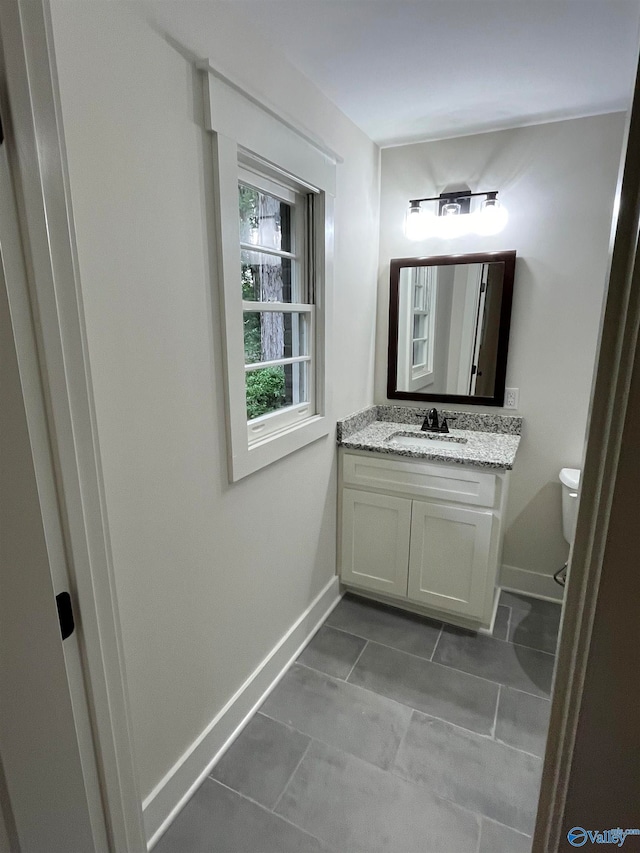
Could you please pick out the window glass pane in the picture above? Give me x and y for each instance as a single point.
(419, 353)
(270, 335)
(268, 278)
(264, 220)
(271, 388)
(418, 297)
(419, 326)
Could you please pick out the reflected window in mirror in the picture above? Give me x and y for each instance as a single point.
(416, 335)
(449, 319)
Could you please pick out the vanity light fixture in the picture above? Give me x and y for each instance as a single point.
(452, 216)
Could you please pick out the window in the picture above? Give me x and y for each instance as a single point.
(274, 188)
(416, 332)
(277, 302)
(422, 322)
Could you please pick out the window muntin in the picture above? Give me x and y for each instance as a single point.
(278, 316)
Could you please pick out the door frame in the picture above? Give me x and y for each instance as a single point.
(60, 408)
(617, 356)
(36, 665)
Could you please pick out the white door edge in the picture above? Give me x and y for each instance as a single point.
(13, 277)
(62, 412)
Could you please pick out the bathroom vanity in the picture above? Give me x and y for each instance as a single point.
(421, 515)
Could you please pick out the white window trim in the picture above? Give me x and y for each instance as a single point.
(240, 124)
(411, 377)
(423, 374)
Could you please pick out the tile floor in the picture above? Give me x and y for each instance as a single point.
(390, 734)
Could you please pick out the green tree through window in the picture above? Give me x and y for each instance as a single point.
(265, 388)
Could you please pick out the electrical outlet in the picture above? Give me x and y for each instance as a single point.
(511, 398)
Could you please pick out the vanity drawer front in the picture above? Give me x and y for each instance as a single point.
(440, 481)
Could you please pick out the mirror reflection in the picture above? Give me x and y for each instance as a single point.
(449, 327)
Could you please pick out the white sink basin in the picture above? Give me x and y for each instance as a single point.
(425, 441)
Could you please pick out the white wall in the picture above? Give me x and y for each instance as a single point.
(209, 575)
(558, 181)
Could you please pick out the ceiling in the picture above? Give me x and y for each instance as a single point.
(409, 70)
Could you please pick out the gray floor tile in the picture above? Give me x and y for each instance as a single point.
(436, 690)
(488, 777)
(386, 625)
(261, 761)
(340, 714)
(495, 838)
(526, 604)
(516, 666)
(522, 720)
(536, 630)
(501, 625)
(357, 808)
(217, 819)
(333, 652)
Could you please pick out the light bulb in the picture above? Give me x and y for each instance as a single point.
(452, 223)
(418, 223)
(491, 218)
(450, 209)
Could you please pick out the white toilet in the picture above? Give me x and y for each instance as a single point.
(570, 479)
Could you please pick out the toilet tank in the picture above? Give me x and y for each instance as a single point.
(570, 479)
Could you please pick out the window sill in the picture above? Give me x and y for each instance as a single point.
(259, 454)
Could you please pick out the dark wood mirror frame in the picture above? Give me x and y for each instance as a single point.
(397, 264)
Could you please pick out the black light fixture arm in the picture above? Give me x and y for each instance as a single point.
(452, 196)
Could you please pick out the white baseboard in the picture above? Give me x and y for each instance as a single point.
(174, 791)
(514, 579)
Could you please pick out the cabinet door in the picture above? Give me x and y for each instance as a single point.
(449, 558)
(375, 541)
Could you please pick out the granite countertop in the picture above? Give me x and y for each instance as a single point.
(479, 447)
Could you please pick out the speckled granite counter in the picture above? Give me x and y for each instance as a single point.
(490, 443)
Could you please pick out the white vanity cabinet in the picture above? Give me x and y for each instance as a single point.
(420, 534)
(376, 531)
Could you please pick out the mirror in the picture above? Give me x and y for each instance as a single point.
(449, 319)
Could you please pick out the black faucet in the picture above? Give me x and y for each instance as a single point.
(432, 424)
